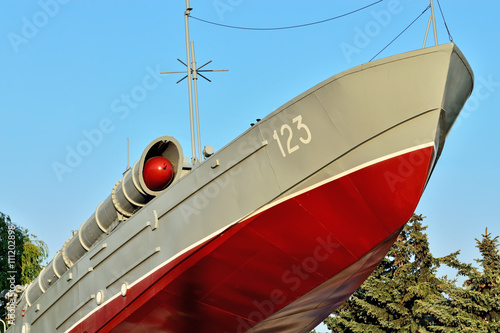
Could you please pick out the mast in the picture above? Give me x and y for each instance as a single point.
(192, 73)
(195, 79)
(190, 87)
(433, 19)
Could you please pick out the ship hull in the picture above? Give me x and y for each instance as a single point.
(322, 243)
(278, 228)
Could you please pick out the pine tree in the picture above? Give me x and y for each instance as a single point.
(476, 306)
(487, 282)
(398, 294)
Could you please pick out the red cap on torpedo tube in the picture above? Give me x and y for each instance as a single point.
(158, 173)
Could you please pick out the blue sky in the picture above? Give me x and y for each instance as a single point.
(67, 67)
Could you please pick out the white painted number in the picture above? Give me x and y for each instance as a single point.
(300, 126)
(275, 136)
(305, 138)
(289, 141)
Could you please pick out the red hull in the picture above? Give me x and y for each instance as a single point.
(292, 263)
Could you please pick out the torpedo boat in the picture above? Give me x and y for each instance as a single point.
(272, 232)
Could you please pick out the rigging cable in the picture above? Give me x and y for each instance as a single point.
(288, 27)
(426, 9)
(444, 20)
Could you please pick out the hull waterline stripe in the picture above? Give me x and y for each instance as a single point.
(340, 175)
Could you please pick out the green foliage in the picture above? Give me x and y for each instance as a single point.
(394, 297)
(11, 242)
(35, 252)
(21, 254)
(474, 307)
(404, 294)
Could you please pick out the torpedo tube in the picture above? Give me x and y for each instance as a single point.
(158, 168)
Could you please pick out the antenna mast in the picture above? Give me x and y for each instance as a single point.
(192, 75)
(128, 155)
(433, 19)
(195, 79)
(190, 88)
(128, 159)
